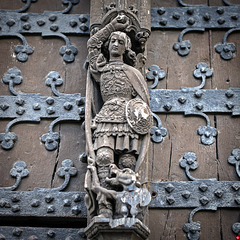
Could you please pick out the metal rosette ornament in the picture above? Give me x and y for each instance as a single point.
(139, 116)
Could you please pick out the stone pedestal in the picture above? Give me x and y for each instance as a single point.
(120, 229)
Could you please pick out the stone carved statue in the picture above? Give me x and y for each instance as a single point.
(117, 124)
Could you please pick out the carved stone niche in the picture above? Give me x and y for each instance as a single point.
(139, 13)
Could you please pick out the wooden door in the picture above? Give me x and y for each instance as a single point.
(43, 206)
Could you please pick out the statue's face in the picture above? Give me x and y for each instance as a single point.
(117, 45)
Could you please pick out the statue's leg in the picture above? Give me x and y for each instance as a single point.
(105, 157)
(127, 160)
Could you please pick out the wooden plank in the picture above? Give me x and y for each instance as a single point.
(182, 133)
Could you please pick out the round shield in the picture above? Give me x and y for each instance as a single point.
(139, 116)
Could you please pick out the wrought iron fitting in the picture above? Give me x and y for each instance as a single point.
(33, 107)
(35, 233)
(210, 194)
(43, 203)
(196, 17)
(47, 22)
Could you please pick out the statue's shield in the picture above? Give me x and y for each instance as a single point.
(139, 116)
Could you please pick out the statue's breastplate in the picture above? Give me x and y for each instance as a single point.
(115, 84)
(116, 91)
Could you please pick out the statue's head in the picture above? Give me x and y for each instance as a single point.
(119, 42)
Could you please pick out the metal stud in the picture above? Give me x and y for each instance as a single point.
(176, 16)
(77, 198)
(163, 22)
(237, 200)
(73, 23)
(170, 200)
(230, 105)
(207, 17)
(49, 198)
(234, 17)
(36, 106)
(67, 106)
(20, 111)
(54, 28)
(219, 193)
(35, 203)
(17, 232)
(169, 188)
(11, 22)
(190, 11)
(51, 209)
(66, 203)
(76, 210)
(199, 106)
(235, 187)
(24, 17)
(182, 100)
(203, 187)
(51, 110)
(15, 208)
(198, 93)
(191, 21)
(41, 22)
(80, 101)
(83, 27)
(52, 18)
(221, 21)
(83, 19)
(51, 234)
(167, 106)
(49, 100)
(204, 200)
(20, 102)
(229, 93)
(27, 26)
(15, 198)
(4, 106)
(220, 11)
(186, 194)
(161, 11)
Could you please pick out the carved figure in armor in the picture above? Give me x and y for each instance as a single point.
(117, 124)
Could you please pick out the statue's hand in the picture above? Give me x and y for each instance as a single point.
(91, 161)
(120, 22)
(91, 168)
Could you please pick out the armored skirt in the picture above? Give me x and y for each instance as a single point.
(111, 127)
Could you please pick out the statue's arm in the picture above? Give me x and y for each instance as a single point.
(95, 43)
